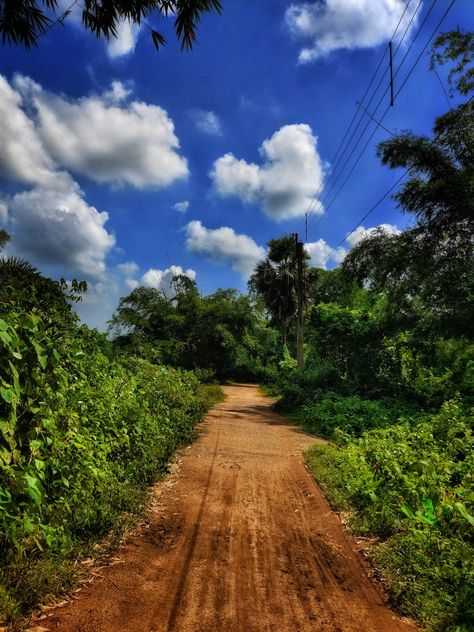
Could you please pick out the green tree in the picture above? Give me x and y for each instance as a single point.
(275, 280)
(23, 287)
(24, 21)
(330, 286)
(430, 266)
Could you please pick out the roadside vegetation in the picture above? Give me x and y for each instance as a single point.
(88, 421)
(389, 375)
(85, 429)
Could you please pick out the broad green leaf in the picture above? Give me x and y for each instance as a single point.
(34, 488)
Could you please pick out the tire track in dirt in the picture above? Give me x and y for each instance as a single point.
(243, 540)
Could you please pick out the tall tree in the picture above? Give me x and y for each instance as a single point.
(275, 279)
(24, 21)
(431, 264)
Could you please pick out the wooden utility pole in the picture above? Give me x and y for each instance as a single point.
(391, 73)
(299, 321)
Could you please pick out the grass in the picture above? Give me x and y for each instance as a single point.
(210, 395)
(32, 580)
(426, 571)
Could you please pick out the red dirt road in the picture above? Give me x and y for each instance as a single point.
(241, 539)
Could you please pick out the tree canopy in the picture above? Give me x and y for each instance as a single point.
(275, 281)
(25, 21)
(430, 266)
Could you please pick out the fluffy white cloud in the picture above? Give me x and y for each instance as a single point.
(330, 25)
(181, 207)
(22, 156)
(319, 252)
(58, 227)
(128, 269)
(207, 122)
(285, 183)
(361, 232)
(224, 244)
(126, 40)
(162, 279)
(322, 254)
(118, 93)
(104, 138)
(51, 224)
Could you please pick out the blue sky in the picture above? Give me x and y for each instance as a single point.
(122, 166)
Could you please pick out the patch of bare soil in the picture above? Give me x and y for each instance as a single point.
(241, 539)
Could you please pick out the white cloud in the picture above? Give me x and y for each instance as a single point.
(103, 138)
(360, 233)
(207, 122)
(162, 279)
(224, 244)
(285, 183)
(3, 214)
(181, 207)
(330, 25)
(60, 228)
(321, 254)
(126, 40)
(117, 93)
(51, 224)
(22, 156)
(129, 268)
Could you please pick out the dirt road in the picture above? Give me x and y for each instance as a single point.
(242, 540)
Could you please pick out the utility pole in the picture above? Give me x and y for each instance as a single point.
(299, 321)
(391, 73)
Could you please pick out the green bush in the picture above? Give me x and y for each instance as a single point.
(296, 388)
(81, 436)
(352, 415)
(412, 484)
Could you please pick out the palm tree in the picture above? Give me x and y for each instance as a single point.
(275, 280)
(22, 286)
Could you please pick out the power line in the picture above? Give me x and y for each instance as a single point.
(374, 112)
(332, 166)
(426, 45)
(377, 122)
(387, 193)
(387, 109)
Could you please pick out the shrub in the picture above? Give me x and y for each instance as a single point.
(352, 415)
(81, 436)
(413, 484)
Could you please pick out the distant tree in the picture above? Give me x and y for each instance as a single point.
(144, 312)
(330, 286)
(225, 332)
(275, 280)
(24, 21)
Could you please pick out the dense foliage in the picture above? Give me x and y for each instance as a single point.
(83, 432)
(223, 335)
(412, 485)
(389, 372)
(24, 21)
